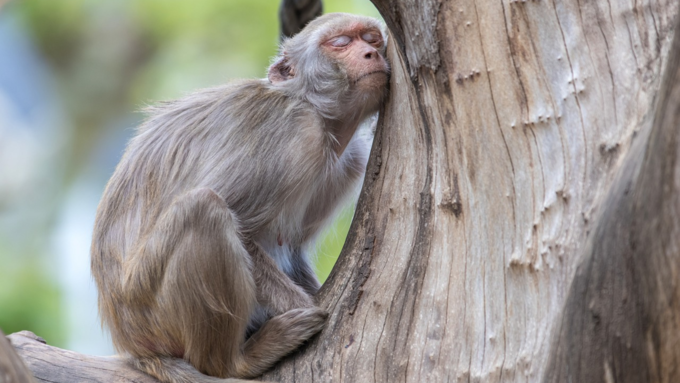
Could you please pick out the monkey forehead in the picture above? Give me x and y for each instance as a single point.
(334, 23)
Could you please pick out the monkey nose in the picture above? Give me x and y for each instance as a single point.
(370, 54)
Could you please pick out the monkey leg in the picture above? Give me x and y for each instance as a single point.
(198, 272)
(275, 290)
(206, 297)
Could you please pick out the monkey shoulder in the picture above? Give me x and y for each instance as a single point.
(259, 118)
(273, 116)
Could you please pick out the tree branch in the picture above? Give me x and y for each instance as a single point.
(54, 365)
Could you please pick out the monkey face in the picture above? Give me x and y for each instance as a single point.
(359, 49)
(337, 64)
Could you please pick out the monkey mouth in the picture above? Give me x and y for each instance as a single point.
(370, 74)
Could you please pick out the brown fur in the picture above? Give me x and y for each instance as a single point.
(199, 247)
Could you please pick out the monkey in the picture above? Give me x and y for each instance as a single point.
(201, 238)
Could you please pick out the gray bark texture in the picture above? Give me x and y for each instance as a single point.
(519, 220)
(621, 320)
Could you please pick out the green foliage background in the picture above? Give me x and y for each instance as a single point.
(108, 59)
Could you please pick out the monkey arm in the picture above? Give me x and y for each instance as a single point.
(302, 273)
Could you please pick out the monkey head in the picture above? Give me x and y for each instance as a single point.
(337, 63)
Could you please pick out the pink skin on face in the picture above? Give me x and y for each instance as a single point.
(358, 49)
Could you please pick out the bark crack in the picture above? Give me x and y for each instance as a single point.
(484, 337)
(589, 49)
(611, 18)
(375, 360)
(363, 332)
(524, 101)
(611, 72)
(632, 46)
(465, 275)
(578, 104)
(493, 100)
(656, 29)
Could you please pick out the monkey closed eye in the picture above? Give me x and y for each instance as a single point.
(340, 41)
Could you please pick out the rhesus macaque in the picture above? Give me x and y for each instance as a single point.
(199, 243)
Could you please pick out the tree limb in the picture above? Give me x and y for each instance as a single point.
(54, 365)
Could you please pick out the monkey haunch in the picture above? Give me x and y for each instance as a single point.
(197, 247)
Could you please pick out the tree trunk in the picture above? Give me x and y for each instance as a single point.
(519, 218)
(621, 321)
(506, 127)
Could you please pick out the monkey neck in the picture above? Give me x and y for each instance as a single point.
(342, 131)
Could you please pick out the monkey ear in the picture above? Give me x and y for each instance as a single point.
(280, 71)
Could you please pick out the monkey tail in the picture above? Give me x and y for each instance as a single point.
(175, 370)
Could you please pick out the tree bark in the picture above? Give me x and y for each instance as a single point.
(621, 321)
(518, 220)
(54, 365)
(506, 126)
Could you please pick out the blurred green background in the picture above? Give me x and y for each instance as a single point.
(73, 75)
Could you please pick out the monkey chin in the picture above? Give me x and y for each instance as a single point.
(372, 87)
(372, 80)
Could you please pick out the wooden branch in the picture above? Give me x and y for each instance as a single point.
(54, 365)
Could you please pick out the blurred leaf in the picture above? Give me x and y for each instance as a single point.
(31, 300)
(331, 244)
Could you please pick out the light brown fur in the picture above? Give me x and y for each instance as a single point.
(200, 237)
